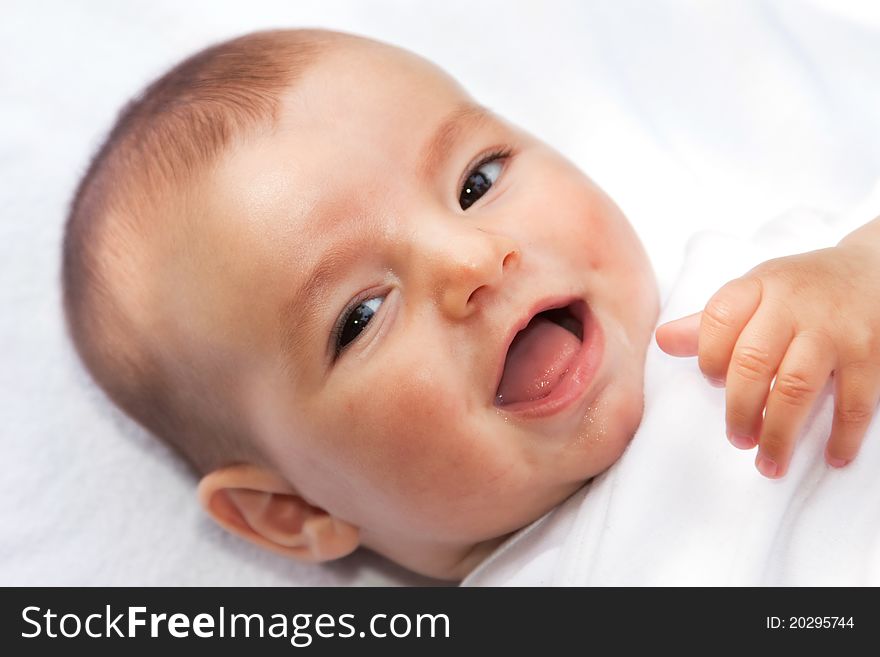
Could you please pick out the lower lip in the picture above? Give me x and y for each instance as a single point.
(574, 383)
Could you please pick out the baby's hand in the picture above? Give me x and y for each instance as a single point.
(800, 318)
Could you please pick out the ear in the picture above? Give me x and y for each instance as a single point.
(258, 505)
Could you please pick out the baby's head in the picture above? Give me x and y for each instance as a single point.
(366, 309)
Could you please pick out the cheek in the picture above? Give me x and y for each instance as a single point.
(417, 427)
(599, 227)
(417, 445)
(577, 221)
(600, 239)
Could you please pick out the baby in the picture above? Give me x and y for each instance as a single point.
(370, 312)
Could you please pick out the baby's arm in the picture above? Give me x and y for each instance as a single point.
(801, 319)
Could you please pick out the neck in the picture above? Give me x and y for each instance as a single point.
(447, 561)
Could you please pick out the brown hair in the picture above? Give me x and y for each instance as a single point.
(161, 140)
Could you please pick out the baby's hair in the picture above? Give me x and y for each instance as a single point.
(163, 139)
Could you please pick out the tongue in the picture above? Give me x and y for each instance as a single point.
(536, 361)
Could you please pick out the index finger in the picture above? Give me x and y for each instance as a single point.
(724, 318)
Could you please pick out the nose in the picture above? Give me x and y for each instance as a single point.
(467, 266)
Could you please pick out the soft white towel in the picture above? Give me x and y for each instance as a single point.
(684, 507)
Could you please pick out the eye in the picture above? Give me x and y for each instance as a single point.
(354, 321)
(480, 179)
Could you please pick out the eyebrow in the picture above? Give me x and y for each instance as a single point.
(467, 116)
(298, 316)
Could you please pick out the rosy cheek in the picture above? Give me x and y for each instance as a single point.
(421, 439)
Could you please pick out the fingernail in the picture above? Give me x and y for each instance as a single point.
(837, 463)
(740, 441)
(766, 467)
(718, 383)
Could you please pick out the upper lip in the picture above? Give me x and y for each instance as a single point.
(541, 306)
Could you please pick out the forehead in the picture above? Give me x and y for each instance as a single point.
(362, 96)
(361, 107)
(367, 85)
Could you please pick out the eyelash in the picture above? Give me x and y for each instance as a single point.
(336, 335)
(497, 154)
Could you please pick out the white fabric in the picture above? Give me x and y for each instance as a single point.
(683, 506)
(691, 115)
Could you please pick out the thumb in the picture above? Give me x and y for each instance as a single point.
(681, 336)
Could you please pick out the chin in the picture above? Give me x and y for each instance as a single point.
(606, 435)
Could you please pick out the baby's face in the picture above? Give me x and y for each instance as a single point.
(370, 261)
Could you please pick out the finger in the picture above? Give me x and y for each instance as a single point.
(681, 336)
(856, 395)
(802, 375)
(722, 321)
(756, 358)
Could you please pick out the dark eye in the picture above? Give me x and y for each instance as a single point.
(479, 181)
(355, 321)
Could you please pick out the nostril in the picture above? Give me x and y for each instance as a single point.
(509, 258)
(473, 294)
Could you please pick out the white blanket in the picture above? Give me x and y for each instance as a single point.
(683, 506)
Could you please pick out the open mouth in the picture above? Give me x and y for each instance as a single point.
(541, 354)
